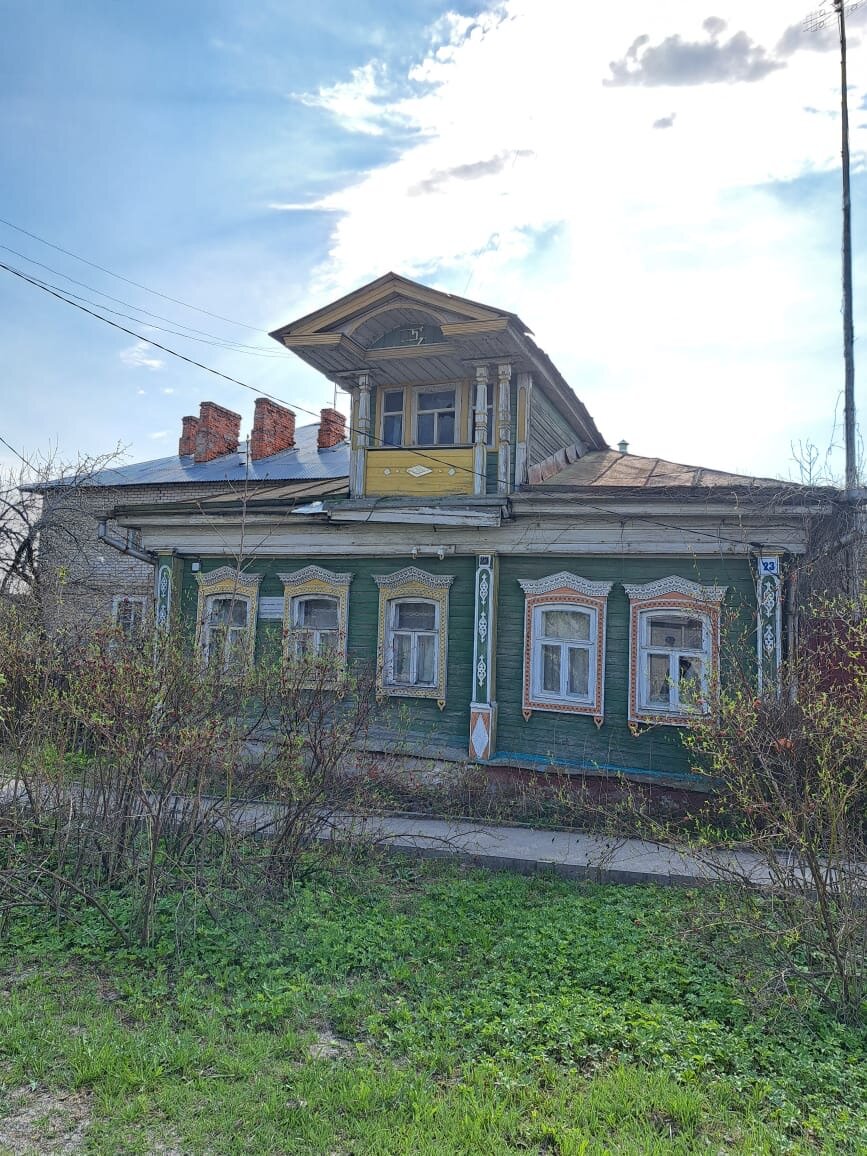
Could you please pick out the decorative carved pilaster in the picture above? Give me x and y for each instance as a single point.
(483, 708)
(769, 623)
(362, 436)
(522, 432)
(167, 589)
(504, 428)
(480, 446)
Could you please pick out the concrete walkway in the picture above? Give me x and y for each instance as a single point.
(566, 853)
(572, 854)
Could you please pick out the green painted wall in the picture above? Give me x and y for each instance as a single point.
(576, 740)
(547, 737)
(419, 722)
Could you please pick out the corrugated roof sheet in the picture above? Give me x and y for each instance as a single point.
(304, 462)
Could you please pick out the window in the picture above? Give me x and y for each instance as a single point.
(315, 625)
(435, 417)
(226, 616)
(564, 644)
(225, 629)
(392, 417)
(674, 649)
(316, 610)
(413, 634)
(127, 614)
(411, 644)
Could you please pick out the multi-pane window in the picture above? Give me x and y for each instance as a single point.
(435, 417)
(225, 630)
(392, 417)
(564, 643)
(315, 625)
(128, 614)
(674, 651)
(412, 642)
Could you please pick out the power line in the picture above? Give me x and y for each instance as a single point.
(237, 346)
(647, 519)
(54, 292)
(120, 277)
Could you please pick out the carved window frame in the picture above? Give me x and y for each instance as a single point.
(316, 582)
(412, 584)
(673, 595)
(567, 591)
(136, 602)
(224, 582)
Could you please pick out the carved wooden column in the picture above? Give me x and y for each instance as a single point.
(522, 433)
(361, 439)
(480, 445)
(504, 428)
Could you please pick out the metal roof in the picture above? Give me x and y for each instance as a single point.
(609, 468)
(304, 462)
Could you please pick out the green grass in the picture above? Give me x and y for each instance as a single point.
(474, 1013)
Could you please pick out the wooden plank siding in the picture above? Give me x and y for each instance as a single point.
(547, 738)
(417, 722)
(575, 740)
(549, 430)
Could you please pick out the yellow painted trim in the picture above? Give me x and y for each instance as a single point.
(223, 581)
(390, 307)
(314, 581)
(413, 583)
(447, 470)
(354, 303)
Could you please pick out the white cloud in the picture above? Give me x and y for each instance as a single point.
(138, 356)
(160, 433)
(141, 392)
(168, 389)
(655, 267)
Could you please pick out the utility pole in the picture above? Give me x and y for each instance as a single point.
(814, 23)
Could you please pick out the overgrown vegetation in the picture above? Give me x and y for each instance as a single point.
(121, 765)
(790, 768)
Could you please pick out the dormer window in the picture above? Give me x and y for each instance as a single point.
(435, 417)
(392, 417)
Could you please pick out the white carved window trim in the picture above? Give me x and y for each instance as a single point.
(568, 592)
(133, 628)
(413, 585)
(678, 597)
(226, 582)
(315, 582)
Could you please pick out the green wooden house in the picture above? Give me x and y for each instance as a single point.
(528, 596)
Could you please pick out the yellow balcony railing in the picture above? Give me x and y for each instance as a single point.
(429, 470)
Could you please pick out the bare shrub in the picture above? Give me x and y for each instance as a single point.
(790, 773)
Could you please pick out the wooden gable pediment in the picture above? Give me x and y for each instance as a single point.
(390, 319)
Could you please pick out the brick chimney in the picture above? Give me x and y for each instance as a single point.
(332, 428)
(273, 429)
(217, 433)
(187, 443)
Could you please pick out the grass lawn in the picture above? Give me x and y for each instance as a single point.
(414, 1008)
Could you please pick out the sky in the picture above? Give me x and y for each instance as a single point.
(653, 188)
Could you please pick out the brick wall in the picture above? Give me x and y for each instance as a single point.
(82, 574)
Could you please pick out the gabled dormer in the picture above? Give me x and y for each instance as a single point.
(448, 396)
